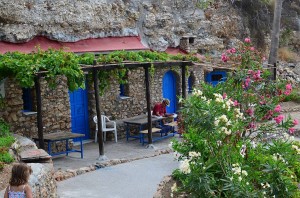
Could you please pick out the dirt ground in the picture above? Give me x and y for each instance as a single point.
(5, 176)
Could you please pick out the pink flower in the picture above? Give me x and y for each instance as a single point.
(251, 125)
(224, 95)
(256, 75)
(278, 119)
(263, 58)
(288, 87)
(232, 50)
(252, 48)
(236, 103)
(250, 112)
(287, 92)
(277, 108)
(224, 58)
(295, 122)
(291, 130)
(247, 40)
(268, 116)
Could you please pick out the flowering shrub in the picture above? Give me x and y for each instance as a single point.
(236, 142)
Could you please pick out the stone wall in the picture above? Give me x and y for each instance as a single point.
(55, 108)
(117, 108)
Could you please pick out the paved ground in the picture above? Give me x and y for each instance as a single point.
(120, 150)
(137, 179)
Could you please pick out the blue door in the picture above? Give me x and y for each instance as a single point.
(169, 91)
(79, 112)
(216, 77)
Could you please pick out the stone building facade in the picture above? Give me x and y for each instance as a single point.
(56, 103)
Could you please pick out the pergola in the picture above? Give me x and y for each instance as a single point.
(95, 68)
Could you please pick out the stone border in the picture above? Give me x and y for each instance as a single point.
(63, 175)
(294, 109)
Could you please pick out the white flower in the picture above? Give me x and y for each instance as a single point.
(223, 118)
(176, 155)
(228, 132)
(203, 98)
(244, 173)
(240, 178)
(185, 166)
(197, 92)
(231, 178)
(220, 100)
(247, 183)
(228, 123)
(216, 122)
(193, 154)
(253, 144)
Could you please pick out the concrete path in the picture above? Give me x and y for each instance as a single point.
(136, 179)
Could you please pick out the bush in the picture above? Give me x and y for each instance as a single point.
(294, 96)
(6, 141)
(4, 128)
(236, 142)
(288, 55)
(6, 157)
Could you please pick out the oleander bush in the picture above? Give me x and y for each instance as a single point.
(6, 140)
(236, 142)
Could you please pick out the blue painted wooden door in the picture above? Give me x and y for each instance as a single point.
(216, 77)
(169, 91)
(79, 112)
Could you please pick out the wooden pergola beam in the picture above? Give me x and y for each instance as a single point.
(136, 65)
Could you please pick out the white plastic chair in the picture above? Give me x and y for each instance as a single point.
(105, 120)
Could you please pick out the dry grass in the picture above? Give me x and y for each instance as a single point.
(286, 54)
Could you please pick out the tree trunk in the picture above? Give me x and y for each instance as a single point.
(275, 36)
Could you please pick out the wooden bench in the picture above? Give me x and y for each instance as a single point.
(154, 130)
(62, 136)
(173, 124)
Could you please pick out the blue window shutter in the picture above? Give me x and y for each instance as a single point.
(27, 99)
(122, 90)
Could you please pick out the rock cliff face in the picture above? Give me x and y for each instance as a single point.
(160, 23)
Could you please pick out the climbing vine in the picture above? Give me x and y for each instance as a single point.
(24, 67)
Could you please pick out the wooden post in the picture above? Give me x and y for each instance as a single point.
(275, 72)
(148, 99)
(98, 111)
(39, 111)
(183, 81)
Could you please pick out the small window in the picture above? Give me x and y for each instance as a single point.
(122, 90)
(191, 40)
(124, 87)
(28, 99)
(191, 82)
(216, 77)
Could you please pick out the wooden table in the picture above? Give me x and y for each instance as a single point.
(62, 136)
(141, 123)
